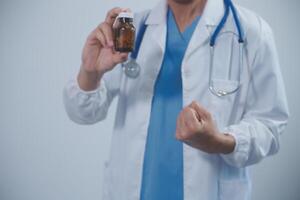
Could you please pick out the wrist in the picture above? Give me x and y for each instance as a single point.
(225, 143)
(89, 80)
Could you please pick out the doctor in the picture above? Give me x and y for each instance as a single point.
(179, 133)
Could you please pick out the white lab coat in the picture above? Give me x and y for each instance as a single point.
(256, 115)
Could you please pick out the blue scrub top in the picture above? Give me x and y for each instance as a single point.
(163, 160)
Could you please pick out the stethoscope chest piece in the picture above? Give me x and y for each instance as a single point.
(131, 68)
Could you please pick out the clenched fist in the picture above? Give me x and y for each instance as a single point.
(196, 128)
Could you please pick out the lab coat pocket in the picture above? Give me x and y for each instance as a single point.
(223, 105)
(233, 189)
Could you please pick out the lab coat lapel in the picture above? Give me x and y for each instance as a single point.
(157, 21)
(153, 48)
(211, 16)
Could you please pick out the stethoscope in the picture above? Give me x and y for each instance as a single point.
(132, 68)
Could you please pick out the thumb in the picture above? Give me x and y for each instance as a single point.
(195, 114)
(201, 111)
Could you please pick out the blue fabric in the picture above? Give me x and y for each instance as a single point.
(163, 161)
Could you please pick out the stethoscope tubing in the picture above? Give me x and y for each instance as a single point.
(132, 72)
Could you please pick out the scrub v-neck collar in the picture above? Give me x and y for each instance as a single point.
(188, 31)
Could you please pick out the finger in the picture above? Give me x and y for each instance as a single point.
(106, 29)
(101, 38)
(113, 13)
(190, 120)
(201, 111)
(119, 57)
(196, 117)
(183, 129)
(179, 127)
(195, 111)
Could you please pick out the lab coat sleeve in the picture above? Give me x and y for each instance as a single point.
(266, 112)
(89, 107)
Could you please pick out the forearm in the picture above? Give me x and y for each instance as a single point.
(88, 81)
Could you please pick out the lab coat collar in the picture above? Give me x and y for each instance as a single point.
(212, 13)
(211, 17)
(158, 14)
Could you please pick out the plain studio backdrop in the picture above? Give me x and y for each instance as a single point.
(45, 156)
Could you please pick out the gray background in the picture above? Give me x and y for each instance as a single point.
(44, 156)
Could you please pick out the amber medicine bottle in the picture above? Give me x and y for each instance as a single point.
(124, 32)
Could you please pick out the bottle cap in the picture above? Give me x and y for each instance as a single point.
(125, 15)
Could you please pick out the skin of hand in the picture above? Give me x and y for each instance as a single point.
(196, 128)
(98, 55)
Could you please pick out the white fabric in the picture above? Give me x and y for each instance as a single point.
(255, 116)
